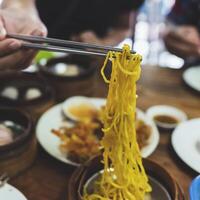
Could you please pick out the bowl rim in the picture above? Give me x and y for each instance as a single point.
(27, 133)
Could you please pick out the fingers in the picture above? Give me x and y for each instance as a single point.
(2, 29)
(187, 35)
(8, 46)
(183, 41)
(41, 30)
(88, 37)
(18, 60)
(182, 49)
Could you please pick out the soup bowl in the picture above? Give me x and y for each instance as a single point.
(19, 153)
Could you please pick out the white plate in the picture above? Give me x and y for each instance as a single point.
(8, 192)
(186, 143)
(191, 76)
(52, 119)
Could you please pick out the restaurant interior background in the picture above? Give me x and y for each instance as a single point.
(38, 165)
(150, 24)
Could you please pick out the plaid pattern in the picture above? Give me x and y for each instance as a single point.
(186, 12)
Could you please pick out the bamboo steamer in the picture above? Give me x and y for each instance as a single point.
(20, 154)
(23, 81)
(86, 171)
(67, 86)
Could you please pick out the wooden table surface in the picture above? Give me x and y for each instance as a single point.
(47, 179)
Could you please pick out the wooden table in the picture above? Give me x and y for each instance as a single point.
(47, 179)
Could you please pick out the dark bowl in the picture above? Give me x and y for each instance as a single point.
(22, 82)
(83, 173)
(20, 154)
(21, 118)
(70, 85)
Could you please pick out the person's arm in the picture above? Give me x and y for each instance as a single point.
(183, 40)
(181, 35)
(21, 17)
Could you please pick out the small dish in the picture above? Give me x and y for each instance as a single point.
(165, 116)
(186, 143)
(195, 189)
(8, 192)
(191, 77)
(79, 108)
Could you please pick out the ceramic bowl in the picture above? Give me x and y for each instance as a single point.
(169, 111)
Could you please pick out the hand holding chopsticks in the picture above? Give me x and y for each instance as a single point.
(66, 46)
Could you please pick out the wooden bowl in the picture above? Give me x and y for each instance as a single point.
(24, 82)
(83, 173)
(17, 156)
(81, 84)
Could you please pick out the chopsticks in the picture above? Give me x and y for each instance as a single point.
(66, 46)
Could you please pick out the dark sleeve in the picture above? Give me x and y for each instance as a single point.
(185, 12)
(130, 4)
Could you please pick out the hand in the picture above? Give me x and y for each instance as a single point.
(183, 41)
(21, 22)
(87, 37)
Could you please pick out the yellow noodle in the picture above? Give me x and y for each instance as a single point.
(127, 180)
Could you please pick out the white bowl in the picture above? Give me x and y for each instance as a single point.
(169, 111)
(75, 102)
(8, 192)
(191, 76)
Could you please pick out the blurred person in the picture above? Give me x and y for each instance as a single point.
(104, 22)
(95, 21)
(182, 35)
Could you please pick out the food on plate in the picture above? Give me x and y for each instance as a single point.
(143, 133)
(6, 136)
(64, 69)
(10, 93)
(167, 119)
(123, 177)
(33, 93)
(79, 142)
(83, 111)
(9, 131)
(70, 147)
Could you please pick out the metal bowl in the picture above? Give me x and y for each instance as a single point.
(159, 192)
(164, 186)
